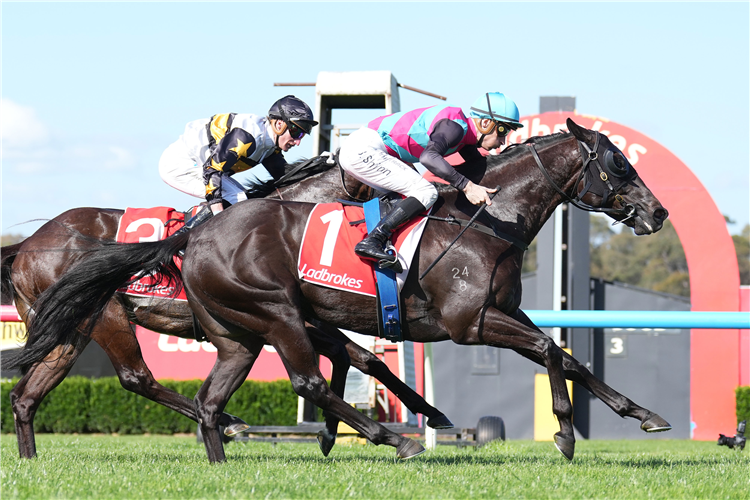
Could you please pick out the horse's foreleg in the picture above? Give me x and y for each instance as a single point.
(297, 354)
(623, 406)
(492, 327)
(33, 387)
(369, 364)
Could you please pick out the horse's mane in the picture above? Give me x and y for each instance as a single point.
(508, 155)
(513, 151)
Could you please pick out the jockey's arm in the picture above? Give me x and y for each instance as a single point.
(226, 157)
(446, 135)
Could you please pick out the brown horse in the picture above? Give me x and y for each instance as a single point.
(30, 267)
(246, 291)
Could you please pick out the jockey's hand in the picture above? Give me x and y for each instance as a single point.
(477, 194)
(216, 208)
(329, 157)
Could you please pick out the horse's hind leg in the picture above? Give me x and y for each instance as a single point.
(335, 351)
(233, 363)
(623, 406)
(33, 387)
(116, 336)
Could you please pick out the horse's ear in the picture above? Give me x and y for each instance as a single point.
(581, 133)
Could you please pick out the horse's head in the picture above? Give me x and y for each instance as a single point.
(609, 181)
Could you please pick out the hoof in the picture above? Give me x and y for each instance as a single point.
(409, 449)
(655, 424)
(566, 446)
(440, 422)
(326, 440)
(235, 426)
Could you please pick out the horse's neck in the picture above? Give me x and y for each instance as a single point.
(527, 199)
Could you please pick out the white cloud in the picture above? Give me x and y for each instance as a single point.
(31, 147)
(118, 158)
(20, 126)
(30, 167)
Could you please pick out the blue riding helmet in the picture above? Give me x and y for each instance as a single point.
(496, 107)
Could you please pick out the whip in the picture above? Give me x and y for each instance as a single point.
(471, 221)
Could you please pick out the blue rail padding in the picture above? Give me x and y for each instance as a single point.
(640, 319)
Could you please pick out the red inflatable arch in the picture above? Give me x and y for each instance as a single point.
(711, 259)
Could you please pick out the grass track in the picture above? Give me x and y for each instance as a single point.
(128, 467)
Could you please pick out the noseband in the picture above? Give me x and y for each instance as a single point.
(605, 182)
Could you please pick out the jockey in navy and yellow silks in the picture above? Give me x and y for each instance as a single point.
(211, 150)
(234, 148)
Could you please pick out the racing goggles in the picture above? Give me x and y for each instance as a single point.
(503, 129)
(294, 131)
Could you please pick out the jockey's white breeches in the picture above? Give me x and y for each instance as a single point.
(181, 171)
(364, 157)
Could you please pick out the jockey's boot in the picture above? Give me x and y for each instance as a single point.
(373, 246)
(202, 216)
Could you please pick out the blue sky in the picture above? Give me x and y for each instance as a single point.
(92, 93)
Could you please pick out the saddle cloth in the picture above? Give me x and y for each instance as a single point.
(138, 225)
(327, 255)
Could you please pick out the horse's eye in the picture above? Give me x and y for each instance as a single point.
(621, 162)
(619, 165)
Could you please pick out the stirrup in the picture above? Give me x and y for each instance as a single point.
(394, 264)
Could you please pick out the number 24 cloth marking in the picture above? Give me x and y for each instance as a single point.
(327, 255)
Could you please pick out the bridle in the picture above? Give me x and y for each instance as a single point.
(606, 181)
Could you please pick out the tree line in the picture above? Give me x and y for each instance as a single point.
(656, 262)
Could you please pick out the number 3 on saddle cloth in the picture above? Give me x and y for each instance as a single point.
(138, 225)
(327, 257)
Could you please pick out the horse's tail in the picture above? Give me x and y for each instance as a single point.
(7, 256)
(78, 298)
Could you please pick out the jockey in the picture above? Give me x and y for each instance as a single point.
(211, 150)
(377, 154)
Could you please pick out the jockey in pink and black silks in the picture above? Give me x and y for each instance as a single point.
(203, 160)
(378, 155)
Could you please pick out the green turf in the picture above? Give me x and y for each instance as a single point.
(87, 466)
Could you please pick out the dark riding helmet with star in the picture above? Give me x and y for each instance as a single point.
(293, 111)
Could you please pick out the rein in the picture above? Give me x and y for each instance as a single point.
(451, 219)
(343, 184)
(490, 231)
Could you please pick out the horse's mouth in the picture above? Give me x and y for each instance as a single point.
(642, 227)
(646, 225)
(645, 221)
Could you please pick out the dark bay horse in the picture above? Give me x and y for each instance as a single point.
(30, 267)
(246, 291)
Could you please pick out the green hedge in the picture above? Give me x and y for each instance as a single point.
(81, 404)
(743, 403)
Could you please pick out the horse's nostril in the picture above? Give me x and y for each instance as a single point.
(661, 214)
